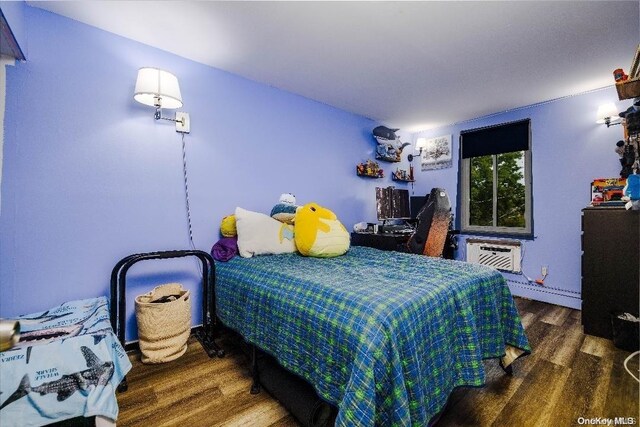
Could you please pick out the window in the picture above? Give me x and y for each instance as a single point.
(495, 180)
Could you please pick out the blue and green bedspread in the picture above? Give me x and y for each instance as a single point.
(385, 336)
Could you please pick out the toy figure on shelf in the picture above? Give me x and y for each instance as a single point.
(619, 75)
(373, 169)
(370, 168)
(402, 175)
(629, 148)
(389, 145)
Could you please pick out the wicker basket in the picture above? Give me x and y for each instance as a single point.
(164, 322)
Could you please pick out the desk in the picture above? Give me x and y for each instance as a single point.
(383, 241)
(398, 242)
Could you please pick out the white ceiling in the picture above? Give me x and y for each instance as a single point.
(412, 65)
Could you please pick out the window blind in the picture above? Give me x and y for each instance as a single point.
(504, 138)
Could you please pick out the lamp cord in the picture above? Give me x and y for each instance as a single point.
(186, 192)
(186, 198)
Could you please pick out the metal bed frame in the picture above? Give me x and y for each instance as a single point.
(205, 333)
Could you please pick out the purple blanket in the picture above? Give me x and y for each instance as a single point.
(225, 249)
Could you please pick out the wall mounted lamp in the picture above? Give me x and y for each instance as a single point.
(421, 144)
(608, 115)
(160, 89)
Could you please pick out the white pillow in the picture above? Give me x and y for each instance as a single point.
(259, 234)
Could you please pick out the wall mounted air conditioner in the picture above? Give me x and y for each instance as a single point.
(501, 254)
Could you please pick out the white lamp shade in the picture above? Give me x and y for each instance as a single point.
(607, 111)
(421, 143)
(153, 83)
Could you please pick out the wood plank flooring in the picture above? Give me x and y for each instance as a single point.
(568, 375)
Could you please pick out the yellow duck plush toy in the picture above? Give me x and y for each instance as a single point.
(318, 233)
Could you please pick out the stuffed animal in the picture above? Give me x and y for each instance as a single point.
(632, 192)
(228, 226)
(285, 210)
(287, 198)
(385, 132)
(389, 145)
(318, 233)
(632, 189)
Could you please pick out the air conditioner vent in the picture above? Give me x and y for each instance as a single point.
(501, 254)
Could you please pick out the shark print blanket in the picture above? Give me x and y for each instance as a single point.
(68, 363)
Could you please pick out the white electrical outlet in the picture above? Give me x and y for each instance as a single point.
(545, 270)
(183, 124)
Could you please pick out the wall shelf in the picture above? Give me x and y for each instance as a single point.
(628, 89)
(394, 159)
(369, 175)
(401, 175)
(394, 178)
(369, 169)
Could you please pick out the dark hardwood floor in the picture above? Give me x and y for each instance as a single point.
(568, 375)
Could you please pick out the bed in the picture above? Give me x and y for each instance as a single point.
(384, 336)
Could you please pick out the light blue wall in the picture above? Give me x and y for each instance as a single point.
(14, 12)
(90, 177)
(569, 151)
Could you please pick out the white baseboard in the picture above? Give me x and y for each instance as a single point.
(539, 293)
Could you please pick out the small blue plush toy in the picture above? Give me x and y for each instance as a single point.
(285, 210)
(632, 190)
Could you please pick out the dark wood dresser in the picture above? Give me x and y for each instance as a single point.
(610, 266)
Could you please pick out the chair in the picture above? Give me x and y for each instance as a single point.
(434, 227)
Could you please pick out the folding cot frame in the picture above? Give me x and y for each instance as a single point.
(204, 333)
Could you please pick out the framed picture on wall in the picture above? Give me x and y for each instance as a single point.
(437, 153)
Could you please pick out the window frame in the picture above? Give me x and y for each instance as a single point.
(494, 230)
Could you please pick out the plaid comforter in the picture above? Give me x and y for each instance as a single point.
(385, 336)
